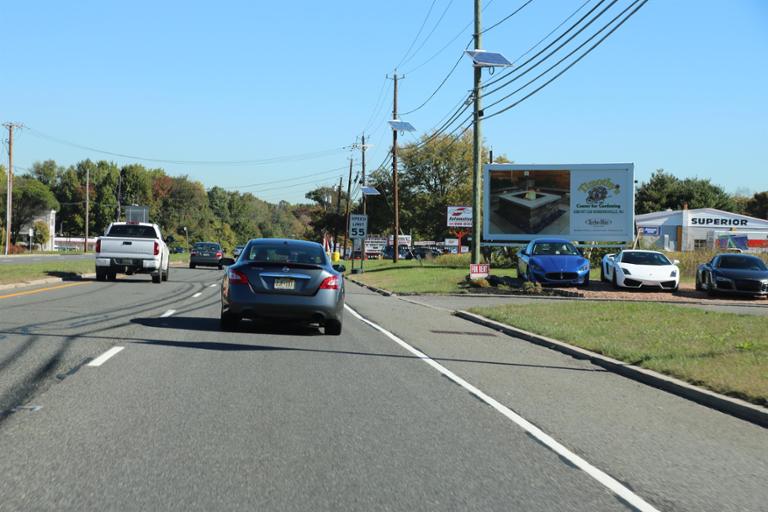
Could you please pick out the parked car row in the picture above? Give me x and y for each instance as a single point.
(555, 261)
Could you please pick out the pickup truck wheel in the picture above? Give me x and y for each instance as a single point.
(165, 274)
(101, 276)
(112, 276)
(156, 278)
(191, 265)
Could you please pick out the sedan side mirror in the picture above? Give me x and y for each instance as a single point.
(675, 262)
(227, 261)
(339, 268)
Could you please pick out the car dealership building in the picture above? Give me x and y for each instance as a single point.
(702, 228)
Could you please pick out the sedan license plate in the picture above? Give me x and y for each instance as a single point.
(282, 283)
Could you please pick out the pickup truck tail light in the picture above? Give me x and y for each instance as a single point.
(218, 254)
(98, 245)
(237, 277)
(157, 248)
(193, 253)
(330, 283)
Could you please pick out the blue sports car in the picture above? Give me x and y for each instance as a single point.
(553, 261)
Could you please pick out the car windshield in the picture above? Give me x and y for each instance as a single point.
(741, 263)
(207, 247)
(554, 248)
(132, 231)
(644, 258)
(285, 254)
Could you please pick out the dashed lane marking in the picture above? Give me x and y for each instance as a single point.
(168, 313)
(103, 358)
(197, 295)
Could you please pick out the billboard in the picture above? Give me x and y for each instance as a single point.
(459, 217)
(580, 202)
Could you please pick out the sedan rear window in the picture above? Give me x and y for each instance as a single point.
(207, 247)
(132, 231)
(284, 254)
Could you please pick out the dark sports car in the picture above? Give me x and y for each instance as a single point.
(553, 261)
(733, 273)
(283, 279)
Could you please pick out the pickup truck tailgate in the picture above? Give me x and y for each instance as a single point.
(127, 247)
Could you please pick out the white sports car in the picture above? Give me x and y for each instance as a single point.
(640, 269)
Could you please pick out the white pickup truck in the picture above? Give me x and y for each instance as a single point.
(132, 248)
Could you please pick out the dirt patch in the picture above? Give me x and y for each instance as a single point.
(686, 293)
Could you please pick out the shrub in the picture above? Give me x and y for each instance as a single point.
(531, 288)
(453, 260)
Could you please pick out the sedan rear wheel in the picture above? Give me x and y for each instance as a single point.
(602, 273)
(698, 284)
(333, 327)
(614, 282)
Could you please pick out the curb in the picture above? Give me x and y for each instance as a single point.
(381, 291)
(733, 406)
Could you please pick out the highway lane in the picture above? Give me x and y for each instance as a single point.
(189, 418)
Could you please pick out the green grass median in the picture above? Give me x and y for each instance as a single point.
(724, 352)
(22, 272)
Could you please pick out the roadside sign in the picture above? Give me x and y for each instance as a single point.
(401, 240)
(459, 217)
(649, 230)
(358, 226)
(31, 232)
(479, 271)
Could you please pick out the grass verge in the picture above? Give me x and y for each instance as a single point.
(21, 272)
(433, 276)
(724, 352)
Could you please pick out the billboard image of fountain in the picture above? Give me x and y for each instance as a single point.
(535, 202)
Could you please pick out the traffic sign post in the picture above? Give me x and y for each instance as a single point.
(358, 230)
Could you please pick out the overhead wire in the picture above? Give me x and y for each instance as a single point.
(569, 66)
(320, 173)
(574, 13)
(265, 161)
(423, 23)
(424, 41)
(507, 17)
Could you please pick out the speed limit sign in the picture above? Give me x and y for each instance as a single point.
(358, 226)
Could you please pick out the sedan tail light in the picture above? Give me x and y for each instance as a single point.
(98, 245)
(330, 283)
(236, 277)
(157, 248)
(193, 253)
(218, 254)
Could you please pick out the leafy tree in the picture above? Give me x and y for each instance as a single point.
(30, 198)
(42, 233)
(46, 172)
(664, 191)
(757, 206)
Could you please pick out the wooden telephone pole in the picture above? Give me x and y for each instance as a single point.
(9, 190)
(395, 187)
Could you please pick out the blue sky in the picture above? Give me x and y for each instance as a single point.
(682, 85)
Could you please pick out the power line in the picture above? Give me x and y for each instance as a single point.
(434, 27)
(377, 105)
(573, 26)
(423, 23)
(569, 66)
(574, 13)
(562, 59)
(328, 171)
(265, 161)
(461, 56)
(506, 17)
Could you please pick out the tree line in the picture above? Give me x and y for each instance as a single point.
(434, 173)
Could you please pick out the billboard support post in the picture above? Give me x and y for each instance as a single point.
(477, 177)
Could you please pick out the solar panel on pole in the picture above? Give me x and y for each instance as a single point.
(485, 59)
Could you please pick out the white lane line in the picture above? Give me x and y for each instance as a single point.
(168, 313)
(214, 285)
(603, 478)
(105, 356)
(197, 295)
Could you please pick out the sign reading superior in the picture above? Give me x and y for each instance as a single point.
(579, 202)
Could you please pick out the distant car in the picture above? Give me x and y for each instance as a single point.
(553, 261)
(284, 279)
(640, 269)
(426, 252)
(178, 250)
(206, 254)
(237, 251)
(733, 273)
(404, 252)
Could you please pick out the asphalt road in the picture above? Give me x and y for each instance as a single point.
(274, 417)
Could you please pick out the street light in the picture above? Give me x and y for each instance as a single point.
(186, 237)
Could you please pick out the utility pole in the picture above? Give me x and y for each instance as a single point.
(9, 189)
(87, 205)
(362, 149)
(119, 194)
(349, 198)
(477, 178)
(395, 187)
(338, 214)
